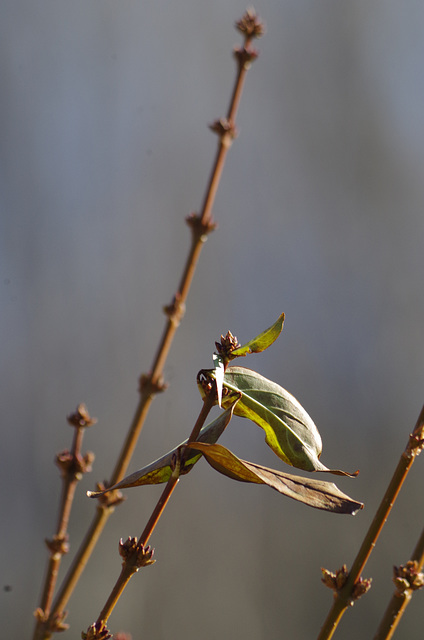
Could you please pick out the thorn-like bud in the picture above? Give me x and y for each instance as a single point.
(250, 25)
(408, 577)
(137, 554)
(81, 417)
(96, 631)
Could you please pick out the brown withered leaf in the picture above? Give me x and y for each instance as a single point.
(315, 493)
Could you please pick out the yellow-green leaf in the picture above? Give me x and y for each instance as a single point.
(160, 470)
(261, 342)
(315, 493)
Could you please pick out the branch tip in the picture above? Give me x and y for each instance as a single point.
(250, 25)
(81, 417)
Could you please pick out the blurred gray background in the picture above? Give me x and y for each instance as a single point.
(104, 151)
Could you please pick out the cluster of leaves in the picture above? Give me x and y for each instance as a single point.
(289, 431)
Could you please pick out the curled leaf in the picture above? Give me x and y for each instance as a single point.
(261, 342)
(289, 430)
(161, 470)
(315, 493)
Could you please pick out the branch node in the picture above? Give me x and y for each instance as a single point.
(176, 310)
(226, 130)
(245, 56)
(111, 499)
(337, 581)
(96, 631)
(415, 443)
(51, 624)
(73, 464)
(58, 544)
(200, 229)
(150, 388)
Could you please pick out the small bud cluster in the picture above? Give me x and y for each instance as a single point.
(81, 417)
(228, 344)
(75, 465)
(250, 25)
(336, 582)
(133, 550)
(408, 577)
(96, 631)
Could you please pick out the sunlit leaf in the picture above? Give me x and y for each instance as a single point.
(160, 470)
(219, 375)
(261, 342)
(289, 430)
(315, 493)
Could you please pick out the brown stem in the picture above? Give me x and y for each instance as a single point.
(345, 596)
(201, 226)
(400, 599)
(130, 564)
(72, 466)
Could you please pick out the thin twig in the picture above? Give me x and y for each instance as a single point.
(72, 466)
(151, 384)
(136, 556)
(407, 579)
(354, 585)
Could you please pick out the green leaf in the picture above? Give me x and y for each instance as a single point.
(289, 430)
(261, 342)
(161, 470)
(315, 493)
